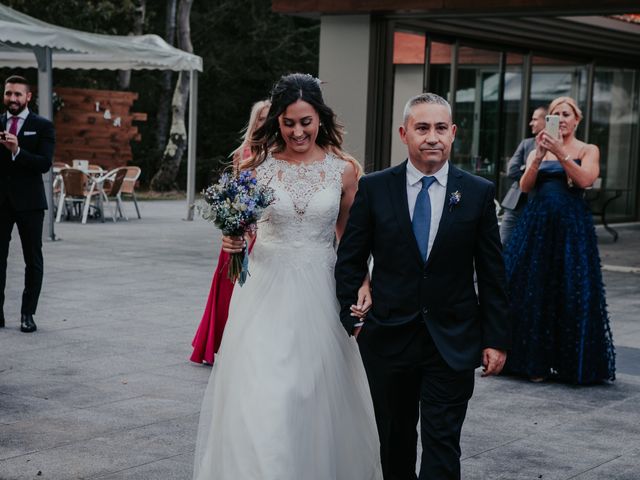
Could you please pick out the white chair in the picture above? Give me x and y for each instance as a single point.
(79, 190)
(110, 186)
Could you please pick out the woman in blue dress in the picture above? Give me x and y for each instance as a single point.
(561, 325)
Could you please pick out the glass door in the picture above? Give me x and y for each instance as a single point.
(476, 111)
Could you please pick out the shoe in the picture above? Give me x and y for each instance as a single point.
(537, 379)
(27, 324)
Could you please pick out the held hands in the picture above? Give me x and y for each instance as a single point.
(492, 361)
(363, 306)
(9, 141)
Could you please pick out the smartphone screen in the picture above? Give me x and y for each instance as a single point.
(553, 125)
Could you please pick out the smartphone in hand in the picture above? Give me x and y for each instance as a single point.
(553, 125)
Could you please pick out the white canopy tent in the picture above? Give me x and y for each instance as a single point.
(26, 42)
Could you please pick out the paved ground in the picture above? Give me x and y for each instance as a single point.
(104, 389)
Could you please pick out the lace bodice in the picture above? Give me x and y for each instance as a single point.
(303, 217)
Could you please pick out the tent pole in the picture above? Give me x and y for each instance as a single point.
(45, 104)
(191, 149)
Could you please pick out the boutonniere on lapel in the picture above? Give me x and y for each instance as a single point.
(454, 199)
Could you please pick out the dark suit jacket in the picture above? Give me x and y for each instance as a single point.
(514, 197)
(440, 291)
(21, 179)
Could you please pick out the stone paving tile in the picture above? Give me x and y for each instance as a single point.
(166, 468)
(622, 467)
(107, 452)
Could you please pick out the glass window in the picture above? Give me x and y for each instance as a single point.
(476, 111)
(481, 149)
(614, 129)
(440, 69)
(408, 72)
(408, 79)
(552, 78)
(512, 114)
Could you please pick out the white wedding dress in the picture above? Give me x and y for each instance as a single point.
(288, 397)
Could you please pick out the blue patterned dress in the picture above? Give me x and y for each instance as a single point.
(557, 299)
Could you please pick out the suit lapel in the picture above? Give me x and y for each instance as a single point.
(454, 181)
(400, 204)
(25, 126)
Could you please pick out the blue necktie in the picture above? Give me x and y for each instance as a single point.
(422, 217)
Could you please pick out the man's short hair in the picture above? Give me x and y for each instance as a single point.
(541, 107)
(18, 79)
(430, 98)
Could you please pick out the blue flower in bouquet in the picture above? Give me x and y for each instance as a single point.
(235, 204)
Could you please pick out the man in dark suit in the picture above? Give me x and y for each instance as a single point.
(515, 200)
(428, 226)
(26, 152)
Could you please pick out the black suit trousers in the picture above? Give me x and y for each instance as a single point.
(29, 224)
(415, 383)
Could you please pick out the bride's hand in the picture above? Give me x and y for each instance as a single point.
(364, 302)
(233, 244)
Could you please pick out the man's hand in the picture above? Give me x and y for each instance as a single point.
(9, 141)
(492, 361)
(364, 302)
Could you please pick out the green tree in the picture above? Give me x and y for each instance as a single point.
(245, 49)
(164, 179)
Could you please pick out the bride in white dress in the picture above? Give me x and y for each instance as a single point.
(288, 397)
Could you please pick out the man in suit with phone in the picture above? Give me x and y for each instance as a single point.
(27, 143)
(515, 200)
(429, 226)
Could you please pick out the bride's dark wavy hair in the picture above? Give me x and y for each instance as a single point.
(288, 90)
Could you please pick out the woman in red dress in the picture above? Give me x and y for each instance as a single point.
(209, 334)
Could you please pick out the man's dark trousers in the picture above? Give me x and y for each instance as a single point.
(29, 225)
(23, 202)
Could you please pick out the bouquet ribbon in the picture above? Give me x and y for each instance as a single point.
(245, 268)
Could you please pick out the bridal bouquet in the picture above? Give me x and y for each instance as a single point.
(235, 205)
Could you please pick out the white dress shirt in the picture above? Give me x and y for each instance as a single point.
(437, 192)
(22, 116)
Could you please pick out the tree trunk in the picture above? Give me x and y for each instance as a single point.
(165, 177)
(164, 101)
(124, 76)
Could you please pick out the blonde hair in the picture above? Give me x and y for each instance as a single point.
(569, 101)
(247, 131)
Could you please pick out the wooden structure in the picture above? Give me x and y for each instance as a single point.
(456, 7)
(96, 125)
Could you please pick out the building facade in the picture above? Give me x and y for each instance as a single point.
(495, 64)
